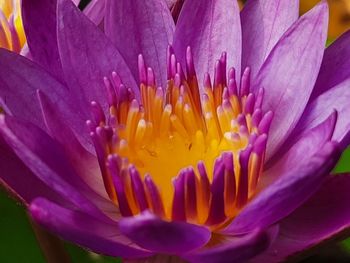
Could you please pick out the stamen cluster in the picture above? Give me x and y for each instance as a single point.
(182, 155)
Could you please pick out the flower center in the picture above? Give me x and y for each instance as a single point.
(181, 154)
(12, 35)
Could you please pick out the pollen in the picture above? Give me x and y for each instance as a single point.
(187, 152)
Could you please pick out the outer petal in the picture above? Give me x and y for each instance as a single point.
(149, 26)
(39, 20)
(263, 24)
(87, 56)
(19, 80)
(287, 193)
(209, 27)
(324, 215)
(151, 232)
(335, 66)
(235, 249)
(308, 143)
(44, 157)
(84, 162)
(336, 98)
(157, 259)
(84, 230)
(290, 71)
(21, 182)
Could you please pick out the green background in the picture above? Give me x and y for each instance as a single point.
(18, 243)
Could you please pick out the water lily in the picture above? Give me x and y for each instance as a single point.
(209, 141)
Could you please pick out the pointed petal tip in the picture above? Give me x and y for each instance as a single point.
(36, 211)
(309, 49)
(322, 8)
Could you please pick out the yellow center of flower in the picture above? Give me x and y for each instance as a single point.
(177, 130)
(12, 35)
(178, 153)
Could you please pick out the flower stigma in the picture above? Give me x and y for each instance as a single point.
(182, 155)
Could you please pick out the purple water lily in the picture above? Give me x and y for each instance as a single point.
(114, 142)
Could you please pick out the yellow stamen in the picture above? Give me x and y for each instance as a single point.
(10, 17)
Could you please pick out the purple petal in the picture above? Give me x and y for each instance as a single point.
(20, 78)
(83, 229)
(235, 249)
(95, 11)
(324, 215)
(209, 28)
(287, 193)
(290, 71)
(39, 21)
(45, 158)
(170, 3)
(337, 98)
(263, 24)
(335, 66)
(88, 56)
(308, 143)
(157, 259)
(84, 163)
(151, 232)
(149, 26)
(20, 181)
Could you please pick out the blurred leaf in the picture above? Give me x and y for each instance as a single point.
(18, 243)
(329, 41)
(346, 244)
(344, 163)
(80, 255)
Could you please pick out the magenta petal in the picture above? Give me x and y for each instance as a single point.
(95, 11)
(83, 229)
(324, 215)
(149, 26)
(263, 24)
(290, 71)
(157, 259)
(170, 3)
(337, 98)
(39, 21)
(20, 78)
(45, 158)
(304, 146)
(20, 181)
(88, 56)
(84, 163)
(235, 249)
(209, 28)
(155, 234)
(335, 66)
(287, 193)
